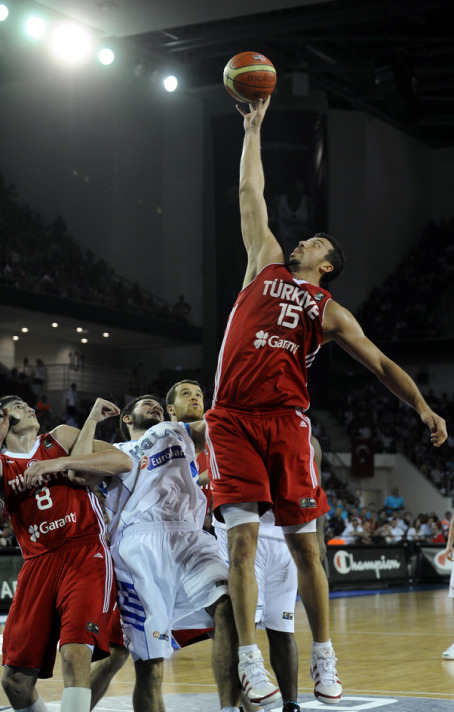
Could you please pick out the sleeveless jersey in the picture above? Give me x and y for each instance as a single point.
(160, 487)
(53, 512)
(272, 337)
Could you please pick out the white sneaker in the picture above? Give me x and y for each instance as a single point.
(449, 653)
(255, 680)
(323, 671)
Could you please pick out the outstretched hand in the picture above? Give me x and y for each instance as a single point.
(103, 409)
(254, 117)
(437, 426)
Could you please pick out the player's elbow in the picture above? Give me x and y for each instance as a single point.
(121, 463)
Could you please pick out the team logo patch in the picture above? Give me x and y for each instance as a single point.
(160, 636)
(92, 627)
(144, 462)
(287, 616)
(319, 296)
(48, 443)
(307, 503)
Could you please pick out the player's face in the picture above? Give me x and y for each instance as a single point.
(146, 413)
(309, 253)
(188, 404)
(23, 413)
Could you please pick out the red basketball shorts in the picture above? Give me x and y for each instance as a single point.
(266, 458)
(67, 595)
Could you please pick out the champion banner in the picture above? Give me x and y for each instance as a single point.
(352, 564)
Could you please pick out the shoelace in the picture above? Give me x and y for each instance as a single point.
(256, 673)
(328, 672)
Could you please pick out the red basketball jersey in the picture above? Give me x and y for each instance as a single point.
(53, 512)
(273, 335)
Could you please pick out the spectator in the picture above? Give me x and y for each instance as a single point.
(393, 502)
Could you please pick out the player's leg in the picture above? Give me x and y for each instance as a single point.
(19, 685)
(147, 695)
(242, 545)
(225, 652)
(314, 591)
(75, 665)
(102, 672)
(284, 661)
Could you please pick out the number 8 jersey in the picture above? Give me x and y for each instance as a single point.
(52, 513)
(272, 337)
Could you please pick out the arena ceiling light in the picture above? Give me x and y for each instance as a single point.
(170, 83)
(71, 44)
(35, 27)
(106, 56)
(4, 12)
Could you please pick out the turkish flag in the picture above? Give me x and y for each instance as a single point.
(362, 457)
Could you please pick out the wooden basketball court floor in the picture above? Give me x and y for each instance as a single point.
(388, 645)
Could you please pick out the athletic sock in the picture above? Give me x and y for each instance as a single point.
(76, 699)
(38, 706)
(247, 648)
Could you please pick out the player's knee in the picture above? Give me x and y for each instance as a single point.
(118, 656)
(242, 548)
(222, 611)
(149, 673)
(16, 684)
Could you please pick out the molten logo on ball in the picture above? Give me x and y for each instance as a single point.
(249, 76)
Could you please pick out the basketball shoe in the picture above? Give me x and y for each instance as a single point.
(449, 653)
(255, 680)
(323, 671)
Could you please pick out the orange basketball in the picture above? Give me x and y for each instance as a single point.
(249, 76)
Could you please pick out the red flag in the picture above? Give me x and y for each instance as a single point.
(362, 457)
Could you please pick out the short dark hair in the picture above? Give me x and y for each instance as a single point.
(4, 400)
(335, 256)
(128, 408)
(172, 393)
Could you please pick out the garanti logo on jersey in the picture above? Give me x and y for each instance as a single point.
(262, 338)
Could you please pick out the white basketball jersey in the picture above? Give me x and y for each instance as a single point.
(160, 487)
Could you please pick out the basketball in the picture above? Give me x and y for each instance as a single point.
(249, 76)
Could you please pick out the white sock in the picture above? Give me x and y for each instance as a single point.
(76, 699)
(246, 649)
(230, 709)
(38, 706)
(320, 646)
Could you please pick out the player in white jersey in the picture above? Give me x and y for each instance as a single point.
(169, 572)
(448, 654)
(275, 569)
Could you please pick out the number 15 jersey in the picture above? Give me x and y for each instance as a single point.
(272, 337)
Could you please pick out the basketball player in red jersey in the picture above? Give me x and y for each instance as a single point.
(65, 588)
(282, 317)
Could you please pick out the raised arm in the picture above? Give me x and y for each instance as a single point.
(261, 245)
(92, 468)
(197, 430)
(341, 326)
(85, 443)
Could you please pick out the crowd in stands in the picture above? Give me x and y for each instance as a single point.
(349, 522)
(373, 412)
(405, 305)
(44, 258)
